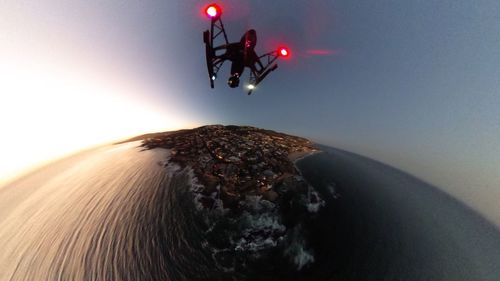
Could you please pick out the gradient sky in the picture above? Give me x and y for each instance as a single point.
(415, 84)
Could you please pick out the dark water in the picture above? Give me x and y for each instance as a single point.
(118, 213)
(110, 214)
(387, 225)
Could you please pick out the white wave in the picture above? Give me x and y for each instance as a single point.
(255, 202)
(313, 207)
(254, 245)
(260, 231)
(297, 251)
(332, 189)
(267, 222)
(314, 202)
(197, 188)
(302, 257)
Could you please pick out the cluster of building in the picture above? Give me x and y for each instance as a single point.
(236, 160)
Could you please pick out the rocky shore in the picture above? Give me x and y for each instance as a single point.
(252, 198)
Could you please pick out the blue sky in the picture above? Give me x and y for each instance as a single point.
(415, 84)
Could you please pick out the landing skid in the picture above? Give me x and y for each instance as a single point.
(257, 77)
(209, 53)
(209, 36)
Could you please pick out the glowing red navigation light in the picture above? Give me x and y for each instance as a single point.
(284, 52)
(213, 11)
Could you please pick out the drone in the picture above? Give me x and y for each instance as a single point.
(241, 54)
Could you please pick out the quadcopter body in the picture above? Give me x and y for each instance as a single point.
(241, 54)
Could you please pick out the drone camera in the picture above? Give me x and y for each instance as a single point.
(234, 81)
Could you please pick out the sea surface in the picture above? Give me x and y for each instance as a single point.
(118, 213)
(110, 214)
(383, 224)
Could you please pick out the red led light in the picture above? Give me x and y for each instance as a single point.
(213, 11)
(284, 52)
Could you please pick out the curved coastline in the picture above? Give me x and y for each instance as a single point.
(386, 224)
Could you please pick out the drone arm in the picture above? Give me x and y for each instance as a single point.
(261, 66)
(258, 75)
(216, 30)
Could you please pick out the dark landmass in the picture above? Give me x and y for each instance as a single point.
(147, 136)
(235, 160)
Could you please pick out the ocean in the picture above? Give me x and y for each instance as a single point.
(118, 213)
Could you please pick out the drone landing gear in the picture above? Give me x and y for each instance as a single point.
(209, 52)
(257, 77)
(214, 63)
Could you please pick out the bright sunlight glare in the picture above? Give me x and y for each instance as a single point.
(49, 113)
